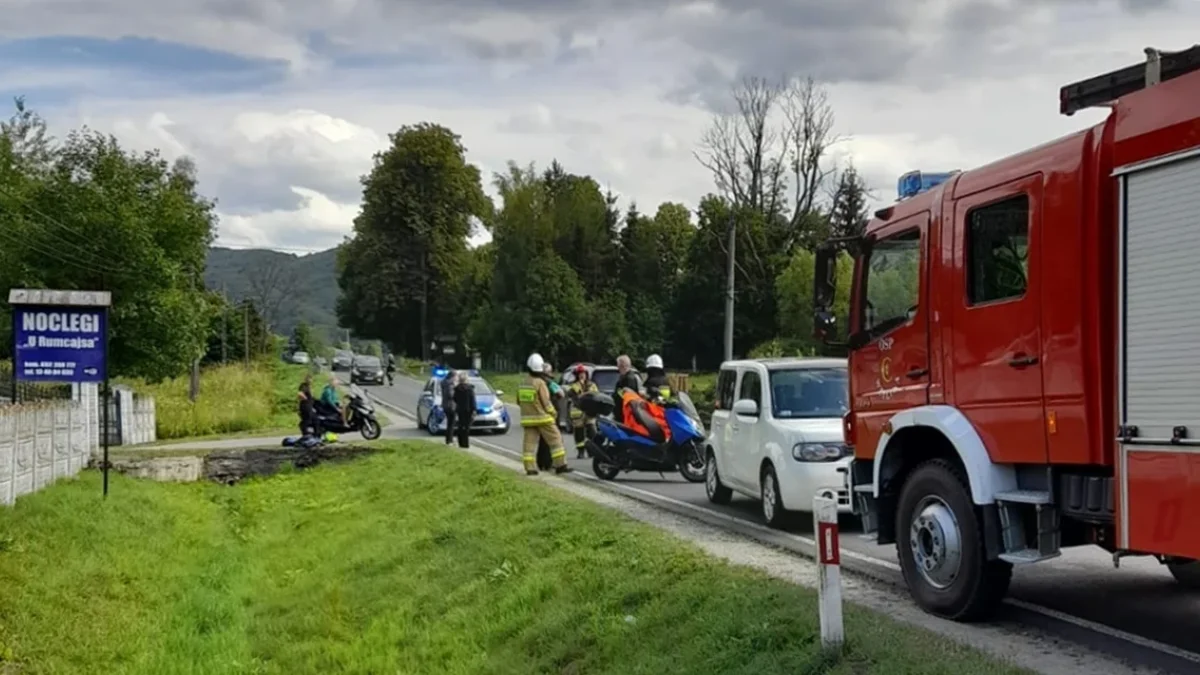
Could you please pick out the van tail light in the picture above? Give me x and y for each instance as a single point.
(848, 428)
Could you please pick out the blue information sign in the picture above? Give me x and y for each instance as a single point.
(60, 343)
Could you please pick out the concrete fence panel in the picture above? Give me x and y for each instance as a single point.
(46, 441)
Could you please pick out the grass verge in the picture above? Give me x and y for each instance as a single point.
(414, 560)
(233, 399)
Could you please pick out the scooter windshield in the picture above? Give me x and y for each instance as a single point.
(686, 405)
(356, 392)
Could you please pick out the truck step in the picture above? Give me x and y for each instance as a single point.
(1026, 556)
(1024, 497)
(869, 489)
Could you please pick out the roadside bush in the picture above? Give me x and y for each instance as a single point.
(232, 399)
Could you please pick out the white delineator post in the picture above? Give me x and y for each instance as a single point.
(829, 588)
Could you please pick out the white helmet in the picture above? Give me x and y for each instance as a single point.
(535, 364)
(654, 361)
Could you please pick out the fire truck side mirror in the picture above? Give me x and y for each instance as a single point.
(824, 325)
(824, 277)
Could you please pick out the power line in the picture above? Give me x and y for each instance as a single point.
(79, 252)
(59, 256)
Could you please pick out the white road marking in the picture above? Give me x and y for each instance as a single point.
(885, 564)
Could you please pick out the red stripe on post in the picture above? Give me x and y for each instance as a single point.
(829, 548)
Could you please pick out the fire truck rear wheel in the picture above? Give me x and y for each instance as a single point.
(939, 536)
(1187, 573)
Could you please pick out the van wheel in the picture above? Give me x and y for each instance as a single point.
(717, 492)
(772, 505)
(1187, 573)
(941, 548)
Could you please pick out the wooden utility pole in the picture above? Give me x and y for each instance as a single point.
(246, 332)
(224, 326)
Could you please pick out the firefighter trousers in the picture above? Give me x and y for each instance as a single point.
(584, 429)
(529, 445)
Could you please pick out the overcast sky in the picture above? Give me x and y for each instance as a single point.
(282, 102)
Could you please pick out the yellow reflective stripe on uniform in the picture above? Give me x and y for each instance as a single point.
(526, 394)
(558, 454)
(665, 392)
(536, 421)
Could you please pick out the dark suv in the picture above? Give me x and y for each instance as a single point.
(366, 370)
(605, 377)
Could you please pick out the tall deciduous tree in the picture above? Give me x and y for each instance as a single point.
(398, 269)
(87, 214)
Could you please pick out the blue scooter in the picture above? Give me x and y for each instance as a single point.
(616, 448)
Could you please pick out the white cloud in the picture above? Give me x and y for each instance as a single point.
(931, 84)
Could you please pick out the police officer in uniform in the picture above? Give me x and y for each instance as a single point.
(584, 425)
(538, 419)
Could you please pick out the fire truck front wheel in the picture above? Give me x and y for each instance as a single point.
(1186, 572)
(940, 542)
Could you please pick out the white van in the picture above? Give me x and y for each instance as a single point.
(777, 435)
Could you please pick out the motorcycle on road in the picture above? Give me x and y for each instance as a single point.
(617, 448)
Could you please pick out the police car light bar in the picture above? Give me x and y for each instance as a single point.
(915, 182)
(440, 372)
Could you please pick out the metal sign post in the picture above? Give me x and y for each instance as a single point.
(829, 588)
(62, 336)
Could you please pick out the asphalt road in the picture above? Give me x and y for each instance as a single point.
(1137, 611)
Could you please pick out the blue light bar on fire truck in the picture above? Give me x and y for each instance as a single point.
(915, 182)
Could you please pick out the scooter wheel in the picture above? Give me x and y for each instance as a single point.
(604, 470)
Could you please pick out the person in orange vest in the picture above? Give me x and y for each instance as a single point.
(539, 419)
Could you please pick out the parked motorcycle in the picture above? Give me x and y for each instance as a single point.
(360, 417)
(616, 448)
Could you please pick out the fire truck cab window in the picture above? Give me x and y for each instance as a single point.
(998, 251)
(892, 281)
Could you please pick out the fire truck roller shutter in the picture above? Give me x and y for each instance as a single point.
(986, 477)
(1158, 373)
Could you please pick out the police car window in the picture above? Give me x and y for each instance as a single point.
(481, 386)
(751, 387)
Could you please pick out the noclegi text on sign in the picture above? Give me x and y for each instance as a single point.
(62, 323)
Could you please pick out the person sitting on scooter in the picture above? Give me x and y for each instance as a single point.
(329, 397)
(657, 388)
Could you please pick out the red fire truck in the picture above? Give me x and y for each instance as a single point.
(1024, 345)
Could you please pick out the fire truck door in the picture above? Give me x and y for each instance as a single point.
(891, 372)
(996, 337)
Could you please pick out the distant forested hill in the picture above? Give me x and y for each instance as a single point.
(288, 288)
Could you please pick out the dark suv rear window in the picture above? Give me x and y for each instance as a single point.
(606, 380)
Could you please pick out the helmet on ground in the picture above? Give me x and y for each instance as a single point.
(654, 361)
(535, 364)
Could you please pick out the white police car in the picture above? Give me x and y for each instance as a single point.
(490, 412)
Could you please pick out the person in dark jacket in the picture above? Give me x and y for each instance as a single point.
(307, 409)
(628, 379)
(464, 403)
(448, 406)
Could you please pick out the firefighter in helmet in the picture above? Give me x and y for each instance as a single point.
(584, 425)
(657, 387)
(538, 419)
